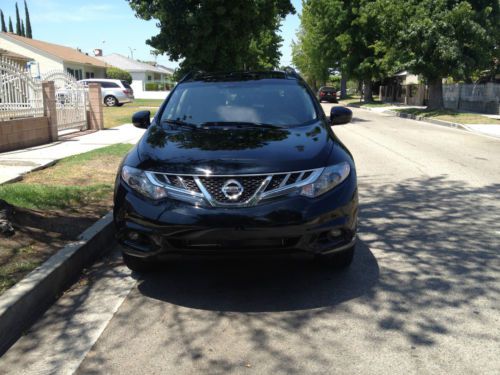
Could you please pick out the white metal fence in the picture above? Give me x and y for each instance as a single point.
(71, 100)
(20, 95)
(482, 98)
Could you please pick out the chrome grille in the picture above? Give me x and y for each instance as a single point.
(193, 188)
(250, 185)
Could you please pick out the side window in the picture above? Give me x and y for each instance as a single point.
(108, 85)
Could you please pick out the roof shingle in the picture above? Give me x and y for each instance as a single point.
(64, 53)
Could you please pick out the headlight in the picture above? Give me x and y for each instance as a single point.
(139, 181)
(331, 177)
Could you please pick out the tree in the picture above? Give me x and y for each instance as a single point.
(2, 18)
(23, 31)
(11, 29)
(18, 21)
(29, 31)
(446, 38)
(340, 35)
(116, 73)
(215, 35)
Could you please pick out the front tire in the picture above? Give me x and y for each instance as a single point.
(110, 101)
(137, 264)
(340, 260)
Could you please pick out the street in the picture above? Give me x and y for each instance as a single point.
(421, 297)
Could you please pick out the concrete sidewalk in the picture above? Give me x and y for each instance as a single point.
(14, 164)
(491, 130)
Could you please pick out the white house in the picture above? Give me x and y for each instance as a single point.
(49, 56)
(141, 73)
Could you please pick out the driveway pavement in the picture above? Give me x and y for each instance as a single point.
(421, 297)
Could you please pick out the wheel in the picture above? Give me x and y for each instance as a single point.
(137, 264)
(342, 259)
(110, 101)
(119, 104)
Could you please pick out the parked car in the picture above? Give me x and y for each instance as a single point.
(327, 93)
(240, 163)
(114, 91)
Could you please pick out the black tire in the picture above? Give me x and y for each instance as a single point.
(119, 104)
(137, 264)
(110, 101)
(340, 260)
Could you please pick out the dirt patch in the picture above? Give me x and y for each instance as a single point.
(39, 234)
(52, 207)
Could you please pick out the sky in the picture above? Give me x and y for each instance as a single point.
(110, 25)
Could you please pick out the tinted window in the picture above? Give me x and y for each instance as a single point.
(126, 84)
(108, 85)
(275, 102)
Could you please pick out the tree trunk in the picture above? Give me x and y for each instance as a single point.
(343, 87)
(367, 93)
(435, 94)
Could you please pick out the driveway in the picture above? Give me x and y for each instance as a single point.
(421, 297)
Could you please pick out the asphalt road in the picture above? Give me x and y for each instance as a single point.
(421, 297)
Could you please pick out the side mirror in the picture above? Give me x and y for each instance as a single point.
(142, 119)
(340, 115)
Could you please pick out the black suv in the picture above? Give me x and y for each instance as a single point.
(239, 163)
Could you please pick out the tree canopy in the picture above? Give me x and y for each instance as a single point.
(217, 35)
(116, 73)
(372, 39)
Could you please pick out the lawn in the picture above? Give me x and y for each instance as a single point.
(51, 207)
(354, 101)
(451, 116)
(115, 116)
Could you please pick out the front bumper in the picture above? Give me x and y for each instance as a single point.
(286, 225)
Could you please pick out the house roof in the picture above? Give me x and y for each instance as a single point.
(13, 56)
(62, 52)
(165, 69)
(130, 65)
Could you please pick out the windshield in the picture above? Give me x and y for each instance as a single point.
(271, 102)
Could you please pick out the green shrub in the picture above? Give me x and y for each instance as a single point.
(116, 73)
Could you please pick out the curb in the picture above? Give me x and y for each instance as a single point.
(454, 125)
(21, 305)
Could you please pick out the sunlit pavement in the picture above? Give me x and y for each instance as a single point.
(421, 297)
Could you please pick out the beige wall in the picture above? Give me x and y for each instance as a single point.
(98, 72)
(46, 62)
(27, 132)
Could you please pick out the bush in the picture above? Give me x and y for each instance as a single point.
(153, 86)
(115, 73)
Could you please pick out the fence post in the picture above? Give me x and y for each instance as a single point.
(49, 108)
(95, 118)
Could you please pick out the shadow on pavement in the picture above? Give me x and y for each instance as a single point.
(258, 286)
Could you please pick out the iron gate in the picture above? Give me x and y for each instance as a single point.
(71, 101)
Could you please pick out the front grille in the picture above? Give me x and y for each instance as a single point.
(250, 185)
(211, 187)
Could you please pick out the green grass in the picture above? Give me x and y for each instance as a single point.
(451, 116)
(354, 101)
(116, 116)
(119, 149)
(47, 197)
(73, 182)
(8, 273)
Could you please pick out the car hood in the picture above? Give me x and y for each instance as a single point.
(244, 150)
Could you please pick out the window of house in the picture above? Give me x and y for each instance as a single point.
(89, 75)
(149, 78)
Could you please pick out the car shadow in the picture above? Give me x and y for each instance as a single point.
(260, 286)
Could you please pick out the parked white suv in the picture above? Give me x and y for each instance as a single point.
(114, 91)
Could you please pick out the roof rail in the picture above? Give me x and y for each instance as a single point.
(190, 75)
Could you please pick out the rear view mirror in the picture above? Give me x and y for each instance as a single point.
(340, 115)
(142, 119)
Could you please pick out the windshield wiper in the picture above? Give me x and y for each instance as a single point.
(180, 123)
(238, 124)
